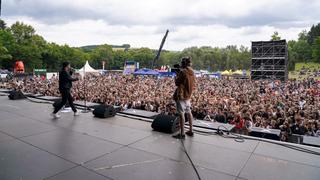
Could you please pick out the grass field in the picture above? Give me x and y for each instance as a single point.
(299, 66)
(311, 65)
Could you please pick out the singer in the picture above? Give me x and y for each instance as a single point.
(185, 82)
(65, 85)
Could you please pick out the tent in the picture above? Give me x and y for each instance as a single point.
(167, 74)
(216, 75)
(226, 73)
(146, 72)
(87, 69)
(238, 72)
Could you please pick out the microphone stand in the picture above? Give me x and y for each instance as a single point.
(86, 109)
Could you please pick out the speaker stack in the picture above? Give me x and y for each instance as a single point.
(104, 111)
(165, 123)
(14, 95)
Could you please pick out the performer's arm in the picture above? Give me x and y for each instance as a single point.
(179, 79)
(71, 78)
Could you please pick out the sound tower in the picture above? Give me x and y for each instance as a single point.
(269, 60)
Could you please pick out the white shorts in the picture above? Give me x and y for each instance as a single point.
(183, 106)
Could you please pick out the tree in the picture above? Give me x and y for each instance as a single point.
(245, 57)
(303, 50)
(119, 57)
(316, 50)
(303, 35)
(292, 59)
(4, 56)
(275, 36)
(52, 57)
(102, 53)
(22, 32)
(143, 55)
(2, 25)
(169, 58)
(313, 33)
(7, 43)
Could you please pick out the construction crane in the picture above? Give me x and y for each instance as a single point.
(160, 49)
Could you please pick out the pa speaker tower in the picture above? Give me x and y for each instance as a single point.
(269, 60)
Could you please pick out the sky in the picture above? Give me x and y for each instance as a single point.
(142, 23)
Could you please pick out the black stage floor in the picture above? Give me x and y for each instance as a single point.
(34, 146)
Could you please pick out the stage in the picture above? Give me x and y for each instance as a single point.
(35, 146)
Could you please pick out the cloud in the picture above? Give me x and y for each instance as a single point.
(143, 22)
(234, 13)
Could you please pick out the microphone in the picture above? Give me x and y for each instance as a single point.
(72, 70)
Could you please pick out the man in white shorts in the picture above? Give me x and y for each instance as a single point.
(185, 82)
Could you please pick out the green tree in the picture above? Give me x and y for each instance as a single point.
(52, 57)
(275, 36)
(245, 57)
(102, 53)
(303, 35)
(316, 50)
(142, 55)
(7, 43)
(119, 57)
(2, 25)
(5, 56)
(22, 32)
(24, 45)
(303, 50)
(313, 33)
(293, 56)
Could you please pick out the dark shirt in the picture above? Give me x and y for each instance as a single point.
(297, 129)
(65, 80)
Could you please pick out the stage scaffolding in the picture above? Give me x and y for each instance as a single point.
(269, 60)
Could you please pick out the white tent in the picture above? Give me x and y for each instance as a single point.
(87, 69)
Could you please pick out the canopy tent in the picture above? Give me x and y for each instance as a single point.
(216, 75)
(146, 72)
(226, 73)
(167, 73)
(238, 72)
(87, 69)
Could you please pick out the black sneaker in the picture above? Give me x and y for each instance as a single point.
(189, 133)
(179, 136)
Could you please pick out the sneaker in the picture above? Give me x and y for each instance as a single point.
(76, 113)
(179, 136)
(189, 133)
(55, 115)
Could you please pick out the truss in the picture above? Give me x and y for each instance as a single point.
(269, 60)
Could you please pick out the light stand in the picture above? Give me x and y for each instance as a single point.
(86, 109)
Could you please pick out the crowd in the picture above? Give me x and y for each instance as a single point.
(293, 106)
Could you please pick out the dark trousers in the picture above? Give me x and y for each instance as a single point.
(66, 96)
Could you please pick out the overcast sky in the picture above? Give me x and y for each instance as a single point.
(142, 23)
